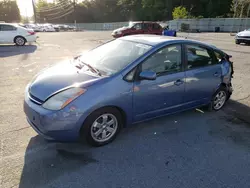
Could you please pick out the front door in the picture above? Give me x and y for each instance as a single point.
(153, 98)
(137, 29)
(203, 75)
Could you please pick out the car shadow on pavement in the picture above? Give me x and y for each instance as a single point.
(11, 50)
(45, 161)
(238, 110)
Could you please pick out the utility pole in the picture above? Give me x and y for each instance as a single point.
(34, 10)
(74, 4)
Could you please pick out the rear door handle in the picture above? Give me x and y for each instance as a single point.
(216, 74)
(178, 82)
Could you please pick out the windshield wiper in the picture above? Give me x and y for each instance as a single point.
(90, 67)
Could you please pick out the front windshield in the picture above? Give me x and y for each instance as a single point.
(113, 56)
(248, 29)
(131, 24)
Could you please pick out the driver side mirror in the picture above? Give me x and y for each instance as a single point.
(147, 75)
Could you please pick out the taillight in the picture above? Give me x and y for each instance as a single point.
(31, 32)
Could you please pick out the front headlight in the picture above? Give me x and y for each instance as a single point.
(63, 98)
(118, 32)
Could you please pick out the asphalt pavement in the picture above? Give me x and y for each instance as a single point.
(192, 149)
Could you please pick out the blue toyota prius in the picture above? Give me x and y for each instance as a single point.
(125, 81)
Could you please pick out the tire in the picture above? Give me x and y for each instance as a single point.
(219, 99)
(237, 42)
(96, 130)
(20, 41)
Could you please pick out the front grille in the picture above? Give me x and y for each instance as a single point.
(35, 99)
(244, 37)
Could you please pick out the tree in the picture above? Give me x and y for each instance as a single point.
(9, 11)
(241, 8)
(180, 12)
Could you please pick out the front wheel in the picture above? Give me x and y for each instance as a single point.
(102, 126)
(219, 99)
(237, 42)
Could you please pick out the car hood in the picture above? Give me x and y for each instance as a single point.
(244, 33)
(121, 29)
(59, 77)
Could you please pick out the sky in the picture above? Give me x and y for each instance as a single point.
(25, 7)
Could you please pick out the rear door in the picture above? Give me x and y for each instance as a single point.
(147, 28)
(7, 33)
(157, 29)
(203, 74)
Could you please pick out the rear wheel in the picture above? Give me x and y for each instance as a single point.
(102, 126)
(219, 99)
(20, 41)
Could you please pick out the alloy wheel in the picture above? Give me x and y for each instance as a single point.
(104, 127)
(20, 41)
(219, 100)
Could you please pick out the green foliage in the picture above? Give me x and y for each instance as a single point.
(180, 13)
(129, 10)
(9, 11)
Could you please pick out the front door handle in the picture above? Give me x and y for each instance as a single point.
(178, 82)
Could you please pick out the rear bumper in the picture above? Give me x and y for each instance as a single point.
(31, 38)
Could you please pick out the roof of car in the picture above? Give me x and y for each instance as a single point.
(154, 40)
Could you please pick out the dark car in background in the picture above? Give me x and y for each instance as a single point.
(138, 28)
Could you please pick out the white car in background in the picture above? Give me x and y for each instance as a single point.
(13, 33)
(47, 28)
(243, 37)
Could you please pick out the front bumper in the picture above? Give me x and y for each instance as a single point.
(116, 35)
(63, 125)
(244, 39)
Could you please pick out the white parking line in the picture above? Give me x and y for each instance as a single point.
(29, 64)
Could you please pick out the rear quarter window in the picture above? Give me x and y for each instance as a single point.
(7, 28)
(156, 26)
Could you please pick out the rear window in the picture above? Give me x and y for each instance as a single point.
(156, 26)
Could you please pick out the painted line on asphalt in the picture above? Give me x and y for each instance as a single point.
(29, 64)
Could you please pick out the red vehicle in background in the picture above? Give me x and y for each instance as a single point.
(138, 28)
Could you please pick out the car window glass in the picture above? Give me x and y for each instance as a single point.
(130, 75)
(7, 28)
(146, 26)
(198, 57)
(167, 60)
(218, 57)
(113, 56)
(138, 26)
(156, 27)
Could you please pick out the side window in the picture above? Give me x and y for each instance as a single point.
(156, 26)
(7, 28)
(218, 57)
(130, 76)
(138, 26)
(167, 60)
(146, 26)
(198, 57)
